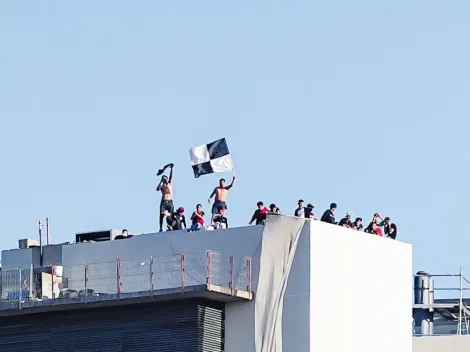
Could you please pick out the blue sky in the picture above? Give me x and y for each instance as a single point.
(364, 103)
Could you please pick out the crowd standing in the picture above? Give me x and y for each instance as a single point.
(176, 220)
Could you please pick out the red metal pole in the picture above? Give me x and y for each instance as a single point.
(183, 283)
(118, 276)
(231, 272)
(47, 231)
(249, 262)
(209, 268)
(151, 275)
(40, 243)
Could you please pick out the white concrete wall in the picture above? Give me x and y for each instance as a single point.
(360, 294)
(441, 344)
(240, 318)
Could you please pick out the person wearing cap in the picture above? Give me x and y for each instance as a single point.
(300, 211)
(309, 211)
(177, 220)
(346, 221)
(357, 224)
(329, 214)
(166, 187)
(390, 228)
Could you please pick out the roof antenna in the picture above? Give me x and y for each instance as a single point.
(47, 231)
(40, 242)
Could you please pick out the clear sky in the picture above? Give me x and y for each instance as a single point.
(364, 103)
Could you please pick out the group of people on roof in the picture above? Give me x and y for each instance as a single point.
(176, 220)
(375, 226)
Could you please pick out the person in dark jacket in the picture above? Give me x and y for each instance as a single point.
(390, 228)
(260, 214)
(220, 221)
(346, 221)
(309, 212)
(176, 220)
(357, 224)
(124, 235)
(329, 215)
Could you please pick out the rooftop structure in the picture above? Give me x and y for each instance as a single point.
(294, 283)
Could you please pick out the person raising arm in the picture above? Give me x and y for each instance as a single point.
(220, 194)
(166, 203)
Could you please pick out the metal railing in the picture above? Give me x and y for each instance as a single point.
(124, 277)
(453, 313)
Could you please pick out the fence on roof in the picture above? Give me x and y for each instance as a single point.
(122, 276)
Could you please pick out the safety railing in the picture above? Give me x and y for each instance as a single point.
(441, 304)
(123, 277)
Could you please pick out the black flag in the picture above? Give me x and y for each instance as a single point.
(161, 171)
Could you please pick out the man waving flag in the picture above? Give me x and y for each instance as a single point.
(210, 158)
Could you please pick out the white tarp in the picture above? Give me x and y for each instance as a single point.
(280, 238)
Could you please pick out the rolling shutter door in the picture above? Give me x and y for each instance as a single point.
(182, 326)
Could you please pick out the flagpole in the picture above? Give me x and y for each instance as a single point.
(233, 166)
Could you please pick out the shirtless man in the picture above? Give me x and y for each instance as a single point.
(166, 204)
(220, 193)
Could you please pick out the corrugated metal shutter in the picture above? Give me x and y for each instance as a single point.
(182, 326)
(211, 325)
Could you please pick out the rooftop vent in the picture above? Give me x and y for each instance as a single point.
(96, 236)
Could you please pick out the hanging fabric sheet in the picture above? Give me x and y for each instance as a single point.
(280, 238)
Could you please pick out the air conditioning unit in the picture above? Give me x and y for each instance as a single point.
(97, 236)
(27, 243)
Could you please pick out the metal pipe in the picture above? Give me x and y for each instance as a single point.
(231, 273)
(431, 309)
(209, 268)
(249, 262)
(151, 275)
(20, 293)
(86, 281)
(52, 279)
(31, 282)
(183, 283)
(460, 304)
(423, 317)
(118, 277)
(40, 242)
(47, 231)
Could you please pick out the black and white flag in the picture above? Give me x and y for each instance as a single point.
(210, 158)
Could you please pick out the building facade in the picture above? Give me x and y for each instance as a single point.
(286, 284)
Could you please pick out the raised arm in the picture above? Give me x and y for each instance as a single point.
(231, 185)
(171, 173)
